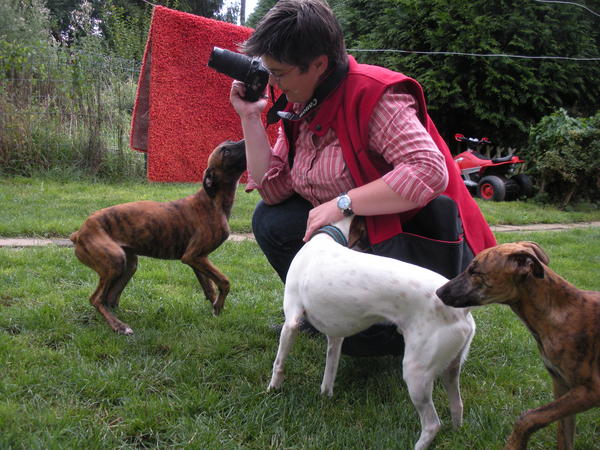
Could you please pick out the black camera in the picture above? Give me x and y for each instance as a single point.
(243, 68)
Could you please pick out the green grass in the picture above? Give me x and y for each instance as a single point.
(186, 379)
(49, 207)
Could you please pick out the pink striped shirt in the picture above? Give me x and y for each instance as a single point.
(319, 172)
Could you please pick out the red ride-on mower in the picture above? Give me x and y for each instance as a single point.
(491, 178)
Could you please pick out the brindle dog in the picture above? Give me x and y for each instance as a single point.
(188, 229)
(564, 320)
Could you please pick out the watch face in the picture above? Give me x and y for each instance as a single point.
(343, 202)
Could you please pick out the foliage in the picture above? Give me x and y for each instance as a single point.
(259, 11)
(499, 97)
(62, 107)
(496, 96)
(126, 28)
(26, 22)
(565, 154)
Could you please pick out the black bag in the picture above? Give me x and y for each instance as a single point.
(433, 239)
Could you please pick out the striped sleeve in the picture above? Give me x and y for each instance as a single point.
(397, 134)
(276, 185)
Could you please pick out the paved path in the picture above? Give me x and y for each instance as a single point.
(61, 242)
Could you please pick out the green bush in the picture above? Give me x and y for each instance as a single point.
(564, 152)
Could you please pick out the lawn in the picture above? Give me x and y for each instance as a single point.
(50, 208)
(186, 379)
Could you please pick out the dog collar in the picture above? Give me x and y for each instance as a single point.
(335, 233)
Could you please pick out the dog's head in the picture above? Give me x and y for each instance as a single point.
(496, 275)
(226, 164)
(358, 238)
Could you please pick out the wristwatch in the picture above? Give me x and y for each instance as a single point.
(345, 204)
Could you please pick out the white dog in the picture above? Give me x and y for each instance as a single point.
(342, 292)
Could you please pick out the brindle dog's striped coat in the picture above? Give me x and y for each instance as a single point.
(188, 229)
(564, 320)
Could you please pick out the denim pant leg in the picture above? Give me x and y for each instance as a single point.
(279, 230)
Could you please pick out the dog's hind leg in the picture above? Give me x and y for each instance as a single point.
(334, 348)
(114, 294)
(110, 262)
(451, 380)
(419, 381)
(286, 340)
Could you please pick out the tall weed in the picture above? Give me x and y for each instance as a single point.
(63, 108)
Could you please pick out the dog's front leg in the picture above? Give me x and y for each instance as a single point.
(208, 287)
(566, 426)
(419, 380)
(286, 339)
(207, 269)
(334, 348)
(578, 399)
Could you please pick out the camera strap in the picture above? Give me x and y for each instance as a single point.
(328, 85)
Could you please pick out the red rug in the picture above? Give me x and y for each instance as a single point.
(182, 110)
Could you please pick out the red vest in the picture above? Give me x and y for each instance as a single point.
(347, 110)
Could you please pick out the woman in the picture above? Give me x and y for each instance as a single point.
(355, 139)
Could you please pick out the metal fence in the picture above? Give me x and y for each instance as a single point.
(67, 109)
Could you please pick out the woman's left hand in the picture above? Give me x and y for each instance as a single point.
(324, 214)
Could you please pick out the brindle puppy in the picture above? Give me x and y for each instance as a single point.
(564, 320)
(188, 229)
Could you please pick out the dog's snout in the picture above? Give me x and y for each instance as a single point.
(236, 154)
(440, 292)
(453, 294)
(443, 293)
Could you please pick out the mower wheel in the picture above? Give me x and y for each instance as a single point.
(525, 184)
(492, 188)
(512, 189)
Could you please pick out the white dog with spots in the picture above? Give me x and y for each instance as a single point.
(342, 292)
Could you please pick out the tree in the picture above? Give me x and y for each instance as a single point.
(261, 9)
(498, 97)
(124, 23)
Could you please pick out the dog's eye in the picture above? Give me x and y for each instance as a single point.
(226, 152)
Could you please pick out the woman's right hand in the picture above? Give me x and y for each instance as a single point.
(245, 109)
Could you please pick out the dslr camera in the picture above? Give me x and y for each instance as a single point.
(242, 68)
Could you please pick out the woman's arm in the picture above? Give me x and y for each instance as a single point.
(258, 148)
(419, 172)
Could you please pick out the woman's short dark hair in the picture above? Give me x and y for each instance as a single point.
(296, 32)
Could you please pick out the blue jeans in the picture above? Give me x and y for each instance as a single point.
(279, 230)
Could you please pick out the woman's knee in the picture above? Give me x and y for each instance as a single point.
(281, 223)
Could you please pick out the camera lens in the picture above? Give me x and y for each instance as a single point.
(230, 63)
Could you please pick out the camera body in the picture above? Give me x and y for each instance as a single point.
(242, 68)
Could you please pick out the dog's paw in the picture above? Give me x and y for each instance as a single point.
(327, 390)
(275, 383)
(125, 330)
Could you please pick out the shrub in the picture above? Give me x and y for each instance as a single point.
(564, 152)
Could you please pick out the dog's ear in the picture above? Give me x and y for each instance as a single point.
(358, 238)
(537, 250)
(210, 182)
(527, 263)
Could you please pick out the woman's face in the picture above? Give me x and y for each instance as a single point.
(298, 86)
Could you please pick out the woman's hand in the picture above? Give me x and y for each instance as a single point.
(246, 110)
(324, 214)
